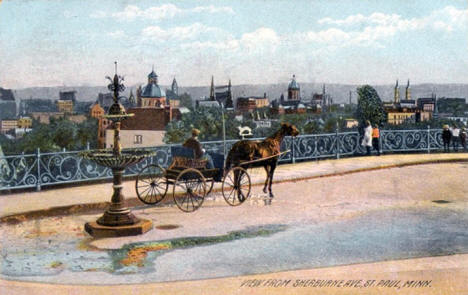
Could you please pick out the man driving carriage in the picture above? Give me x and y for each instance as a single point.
(196, 146)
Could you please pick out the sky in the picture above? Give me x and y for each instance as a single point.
(75, 43)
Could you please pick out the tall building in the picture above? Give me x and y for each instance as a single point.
(152, 95)
(225, 97)
(217, 98)
(175, 87)
(396, 93)
(212, 89)
(172, 95)
(402, 110)
(408, 91)
(8, 108)
(66, 101)
(291, 105)
(294, 91)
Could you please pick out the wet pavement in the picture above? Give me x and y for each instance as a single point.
(313, 223)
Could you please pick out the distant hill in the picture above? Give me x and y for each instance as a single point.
(339, 92)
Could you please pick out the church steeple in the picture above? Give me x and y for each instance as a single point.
(408, 91)
(175, 87)
(396, 94)
(212, 90)
(131, 98)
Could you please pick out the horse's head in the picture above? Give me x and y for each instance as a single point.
(289, 129)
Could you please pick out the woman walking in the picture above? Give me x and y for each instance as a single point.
(367, 140)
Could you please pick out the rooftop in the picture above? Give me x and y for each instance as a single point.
(6, 95)
(145, 119)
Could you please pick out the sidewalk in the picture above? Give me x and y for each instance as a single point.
(96, 196)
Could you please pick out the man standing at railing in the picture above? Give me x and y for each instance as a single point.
(446, 136)
(376, 138)
(463, 138)
(455, 137)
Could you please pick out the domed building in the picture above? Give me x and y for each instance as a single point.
(294, 90)
(151, 95)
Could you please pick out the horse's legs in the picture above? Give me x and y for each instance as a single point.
(272, 171)
(267, 177)
(237, 179)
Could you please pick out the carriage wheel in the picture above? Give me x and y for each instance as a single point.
(193, 186)
(236, 186)
(151, 185)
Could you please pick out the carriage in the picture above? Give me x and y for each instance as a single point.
(192, 181)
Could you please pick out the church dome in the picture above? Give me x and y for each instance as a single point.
(153, 90)
(293, 85)
(152, 75)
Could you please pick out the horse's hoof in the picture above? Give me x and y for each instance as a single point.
(271, 196)
(265, 190)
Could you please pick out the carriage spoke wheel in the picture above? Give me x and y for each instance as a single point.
(151, 186)
(191, 188)
(236, 186)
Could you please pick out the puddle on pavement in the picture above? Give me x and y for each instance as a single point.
(78, 256)
(374, 236)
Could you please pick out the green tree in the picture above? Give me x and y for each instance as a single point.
(186, 100)
(370, 106)
(40, 137)
(86, 133)
(64, 133)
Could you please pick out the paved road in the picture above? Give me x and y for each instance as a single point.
(318, 222)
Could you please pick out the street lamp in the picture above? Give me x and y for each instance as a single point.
(224, 131)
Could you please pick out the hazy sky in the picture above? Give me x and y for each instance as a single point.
(53, 43)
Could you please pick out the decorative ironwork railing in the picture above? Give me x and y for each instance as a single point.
(45, 169)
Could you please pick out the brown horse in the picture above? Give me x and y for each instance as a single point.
(247, 150)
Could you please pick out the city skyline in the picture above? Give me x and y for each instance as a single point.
(58, 43)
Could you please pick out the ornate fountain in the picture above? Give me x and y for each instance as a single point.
(118, 220)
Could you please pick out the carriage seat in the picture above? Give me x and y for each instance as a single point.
(183, 157)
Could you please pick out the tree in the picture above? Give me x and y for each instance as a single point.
(185, 100)
(370, 107)
(87, 133)
(64, 133)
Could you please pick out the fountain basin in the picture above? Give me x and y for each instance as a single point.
(107, 158)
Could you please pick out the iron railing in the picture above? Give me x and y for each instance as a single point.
(46, 169)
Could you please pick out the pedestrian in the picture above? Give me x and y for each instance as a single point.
(446, 136)
(463, 138)
(376, 139)
(455, 137)
(367, 140)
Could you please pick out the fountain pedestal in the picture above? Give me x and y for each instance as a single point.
(118, 220)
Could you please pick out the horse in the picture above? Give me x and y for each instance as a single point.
(248, 150)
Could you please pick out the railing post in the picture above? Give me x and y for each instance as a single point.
(337, 142)
(38, 157)
(428, 139)
(293, 151)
